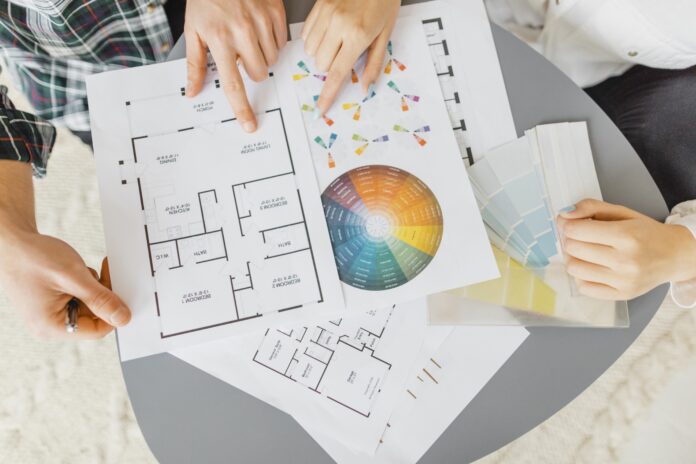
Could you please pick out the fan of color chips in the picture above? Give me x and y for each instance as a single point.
(358, 106)
(393, 61)
(327, 146)
(366, 142)
(523, 185)
(509, 187)
(306, 72)
(385, 226)
(417, 134)
(307, 108)
(405, 98)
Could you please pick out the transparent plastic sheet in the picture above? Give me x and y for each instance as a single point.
(548, 302)
(451, 309)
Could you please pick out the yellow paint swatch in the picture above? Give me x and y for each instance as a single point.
(517, 288)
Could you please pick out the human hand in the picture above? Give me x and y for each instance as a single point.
(40, 274)
(337, 32)
(616, 253)
(249, 31)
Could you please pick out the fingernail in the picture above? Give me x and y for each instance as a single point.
(189, 88)
(120, 316)
(249, 126)
(370, 88)
(567, 209)
(316, 114)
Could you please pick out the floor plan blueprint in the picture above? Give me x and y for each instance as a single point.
(346, 373)
(470, 78)
(336, 359)
(440, 53)
(228, 222)
(257, 210)
(442, 382)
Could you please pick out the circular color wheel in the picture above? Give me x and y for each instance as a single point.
(385, 226)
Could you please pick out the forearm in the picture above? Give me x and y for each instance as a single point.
(16, 201)
(40, 274)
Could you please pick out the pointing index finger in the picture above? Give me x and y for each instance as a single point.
(196, 61)
(340, 69)
(233, 86)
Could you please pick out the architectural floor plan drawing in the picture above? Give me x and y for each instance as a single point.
(229, 222)
(336, 359)
(257, 210)
(443, 381)
(442, 59)
(470, 77)
(346, 374)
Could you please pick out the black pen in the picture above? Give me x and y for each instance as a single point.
(71, 318)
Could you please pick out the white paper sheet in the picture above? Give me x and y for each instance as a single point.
(470, 68)
(210, 231)
(464, 55)
(344, 375)
(401, 213)
(437, 392)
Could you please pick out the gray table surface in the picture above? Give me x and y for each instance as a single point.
(188, 416)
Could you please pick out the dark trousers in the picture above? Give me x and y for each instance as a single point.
(655, 109)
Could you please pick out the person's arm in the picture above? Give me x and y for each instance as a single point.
(337, 32)
(39, 273)
(247, 31)
(24, 136)
(616, 253)
(684, 292)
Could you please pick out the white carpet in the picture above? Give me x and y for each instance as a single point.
(67, 403)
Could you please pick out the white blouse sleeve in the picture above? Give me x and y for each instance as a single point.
(684, 293)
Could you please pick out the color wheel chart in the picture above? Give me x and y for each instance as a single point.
(385, 225)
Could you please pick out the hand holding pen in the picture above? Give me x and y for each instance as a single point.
(77, 313)
(57, 294)
(83, 322)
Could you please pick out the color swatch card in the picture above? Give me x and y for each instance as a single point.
(521, 187)
(402, 216)
(509, 187)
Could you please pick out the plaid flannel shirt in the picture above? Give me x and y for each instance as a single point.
(50, 46)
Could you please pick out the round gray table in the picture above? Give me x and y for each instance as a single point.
(188, 416)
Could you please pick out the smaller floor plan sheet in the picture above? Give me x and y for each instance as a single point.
(454, 365)
(346, 374)
(210, 231)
